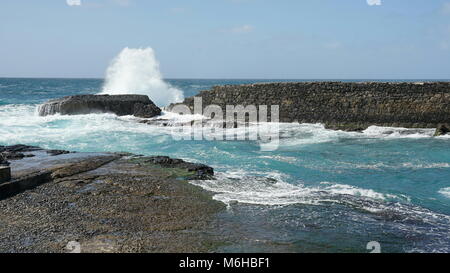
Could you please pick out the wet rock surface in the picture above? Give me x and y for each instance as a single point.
(18, 148)
(193, 170)
(15, 152)
(121, 105)
(57, 152)
(146, 110)
(107, 203)
(18, 152)
(443, 129)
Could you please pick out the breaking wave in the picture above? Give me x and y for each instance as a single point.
(136, 71)
(270, 189)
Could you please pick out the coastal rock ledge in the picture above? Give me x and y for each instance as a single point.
(106, 202)
(121, 105)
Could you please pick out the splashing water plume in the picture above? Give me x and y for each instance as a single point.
(136, 71)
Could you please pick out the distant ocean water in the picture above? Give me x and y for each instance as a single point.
(321, 191)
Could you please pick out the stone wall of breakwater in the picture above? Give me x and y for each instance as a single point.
(342, 105)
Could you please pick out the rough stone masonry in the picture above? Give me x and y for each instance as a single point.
(343, 105)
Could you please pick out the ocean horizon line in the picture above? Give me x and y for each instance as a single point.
(243, 79)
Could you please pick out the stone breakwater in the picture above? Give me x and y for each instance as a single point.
(342, 105)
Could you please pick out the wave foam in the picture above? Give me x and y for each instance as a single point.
(394, 132)
(270, 189)
(295, 135)
(136, 71)
(445, 192)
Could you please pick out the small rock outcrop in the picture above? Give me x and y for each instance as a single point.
(121, 105)
(201, 170)
(15, 152)
(442, 129)
(198, 171)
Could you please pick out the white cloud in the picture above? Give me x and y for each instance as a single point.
(99, 3)
(73, 2)
(242, 29)
(374, 2)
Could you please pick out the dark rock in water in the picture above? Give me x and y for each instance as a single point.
(203, 123)
(121, 105)
(57, 152)
(157, 122)
(348, 127)
(15, 152)
(146, 110)
(412, 132)
(19, 148)
(13, 155)
(201, 171)
(442, 129)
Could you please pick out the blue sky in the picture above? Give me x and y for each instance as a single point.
(308, 39)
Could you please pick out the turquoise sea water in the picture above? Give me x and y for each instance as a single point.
(320, 191)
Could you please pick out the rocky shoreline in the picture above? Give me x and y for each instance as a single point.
(106, 202)
(348, 106)
(121, 202)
